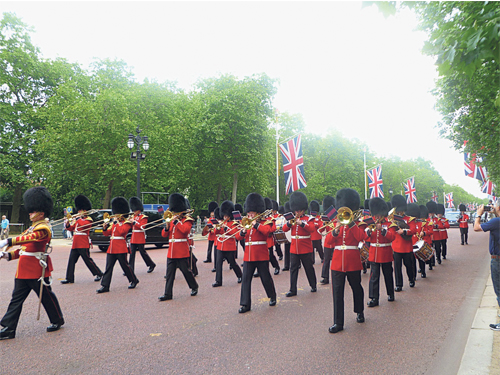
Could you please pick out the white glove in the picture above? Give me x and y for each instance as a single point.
(3, 254)
(4, 243)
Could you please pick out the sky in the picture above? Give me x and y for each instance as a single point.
(341, 66)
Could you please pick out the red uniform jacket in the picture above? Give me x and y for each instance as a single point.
(400, 244)
(256, 242)
(177, 233)
(346, 256)
(270, 239)
(318, 223)
(443, 231)
(80, 229)
(138, 234)
(210, 231)
(464, 221)
(118, 233)
(329, 239)
(301, 236)
(225, 231)
(380, 246)
(33, 241)
(427, 229)
(431, 221)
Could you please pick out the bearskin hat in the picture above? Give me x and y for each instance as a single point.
(82, 203)
(328, 201)
(177, 203)
(255, 202)
(275, 205)
(399, 202)
(347, 197)
(287, 207)
(378, 207)
(432, 207)
(269, 204)
(217, 214)
(135, 204)
(367, 204)
(212, 206)
(389, 205)
(226, 209)
(239, 207)
(314, 206)
(462, 207)
(119, 205)
(281, 210)
(413, 210)
(38, 199)
(424, 212)
(298, 201)
(440, 209)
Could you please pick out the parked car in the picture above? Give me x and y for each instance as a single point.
(153, 236)
(452, 217)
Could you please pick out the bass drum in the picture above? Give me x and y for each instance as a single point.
(363, 251)
(280, 237)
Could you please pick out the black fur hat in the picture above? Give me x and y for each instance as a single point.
(188, 205)
(314, 206)
(347, 197)
(82, 203)
(38, 199)
(226, 209)
(462, 207)
(281, 210)
(287, 207)
(255, 202)
(275, 205)
(212, 206)
(217, 214)
(413, 210)
(378, 207)
(239, 207)
(135, 204)
(177, 203)
(424, 212)
(389, 205)
(119, 205)
(440, 209)
(269, 204)
(432, 207)
(399, 202)
(328, 201)
(367, 204)
(298, 201)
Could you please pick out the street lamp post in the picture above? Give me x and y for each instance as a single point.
(138, 141)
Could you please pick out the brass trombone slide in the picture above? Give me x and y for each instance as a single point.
(106, 218)
(246, 223)
(168, 217)
(73, 217)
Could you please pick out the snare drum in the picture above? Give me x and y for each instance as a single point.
(280, 237)
(423, 250)
(363, 251)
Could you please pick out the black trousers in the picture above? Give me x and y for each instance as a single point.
(209, 250)
(183, 265)
(421, 265)
(464, 234)
(287, 256)
(110, 264)
(279, 252)
(319, 248)
(134, 247)
(265, 277)
(192, 262)
(229, 256)
(22, 288)
(325, 270)
(374, 284)
(73, 258)
(399, 259)
(272, 258)
(444, 247)
(338, 286)
(437, 247)
(306, 260)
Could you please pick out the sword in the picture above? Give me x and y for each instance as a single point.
(43, 264)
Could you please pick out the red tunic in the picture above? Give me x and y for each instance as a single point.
(301, 236)
(346, 256)
(33, 240)
(118, 233)
(464, 221)
(226, 243)
(177, 233)
(256, 243)
(318, 223)
(400, 244)
(138, 234)
(81, 229)
(380, 246)
(270, 238)
(446, 225)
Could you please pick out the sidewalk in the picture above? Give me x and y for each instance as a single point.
(482, 351)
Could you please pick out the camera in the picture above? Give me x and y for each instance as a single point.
(487, 208)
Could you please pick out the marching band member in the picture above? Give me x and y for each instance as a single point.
(443, 226)
(276, 215)
(81, 241)
(431, 221)
(207, 230)
(117, 249)
(178, 230)
(413, 211)
(138, 235)
(192, 258)
(34, 264)
(301, 247)
(227, 243)
(316, 237)
(270, 239)
(463, 224)
(328, 201)
(380, 252)
(256, 253)
(219, 218)
(425, 233)
(286, 264)
(346, 261)
(238, 207)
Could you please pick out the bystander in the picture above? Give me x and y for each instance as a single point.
(5, 228)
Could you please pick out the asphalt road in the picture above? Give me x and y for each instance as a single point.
(131, 332)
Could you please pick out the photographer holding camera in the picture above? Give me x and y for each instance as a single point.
(492, 226)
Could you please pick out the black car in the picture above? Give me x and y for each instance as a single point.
(153, 235)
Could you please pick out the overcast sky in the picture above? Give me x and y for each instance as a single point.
(339, 65)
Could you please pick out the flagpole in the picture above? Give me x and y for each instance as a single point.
(444, 199)
(364, 162)
(277, 161)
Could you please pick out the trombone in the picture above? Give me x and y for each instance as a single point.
(106, 218)
(346, 216)
(246, 223)
(168, 217)
(73, 217)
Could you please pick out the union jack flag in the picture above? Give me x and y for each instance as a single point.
(410, 191)
(435, 196)
(472, 170)
(293, 164)
(375, 182)
(449, 200)
(488, 187)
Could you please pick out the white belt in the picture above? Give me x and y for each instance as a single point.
(37, 254)
(343, 247)
(137, 231)
(256, 243)
(117, 238)
(441, 230)
(300, 237)
(80, 233)
(177, 240)
(380, 244)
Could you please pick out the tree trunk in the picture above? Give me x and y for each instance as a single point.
(16, 203)
(107, 197)
(219, 192)
(235, 186)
